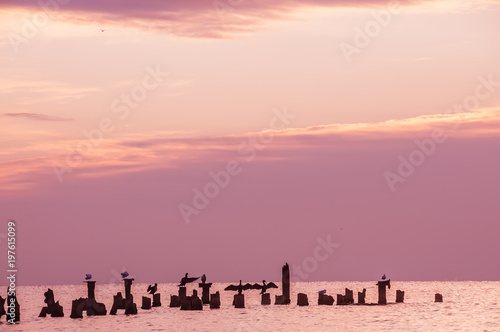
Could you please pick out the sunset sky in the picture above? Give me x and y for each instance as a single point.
(229, 137)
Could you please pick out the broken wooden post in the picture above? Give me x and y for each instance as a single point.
(215, 300)
(54, 309)
(302, 299)
(265, 299)
(118, 303)
(400, 296)
(341, 299)
(182, 292)
(175, 302)
(349, 296)
(361, 296)
(146, 303)
(382, 290)
(156, 300)
(438, 298)
(77, 307)
(239, 301)
(130, 306)
(93, 307)
(205, 294)
(285, 286)
(324, 299)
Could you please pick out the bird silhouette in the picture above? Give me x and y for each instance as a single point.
(240, 288)
(264, 286)
(124, 274)
(152, 289)
(186, 280)
(88, 276)
(384, 277)
(203, 278)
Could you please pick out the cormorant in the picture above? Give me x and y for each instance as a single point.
(152, 289)
(187, 280)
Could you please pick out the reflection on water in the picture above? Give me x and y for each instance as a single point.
(467, 306)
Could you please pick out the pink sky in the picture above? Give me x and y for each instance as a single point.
(106, 138)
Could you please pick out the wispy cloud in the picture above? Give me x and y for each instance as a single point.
(195, 18)
(37, 116)
(145, 153)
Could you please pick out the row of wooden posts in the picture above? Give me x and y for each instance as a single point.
(193, 302)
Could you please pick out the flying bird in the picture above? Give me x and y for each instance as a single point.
(186, 280)
(88, 276)
(384, 277)
(264, 286)
(203, 278)
(124, 274)
(152, 289)
(240, 288)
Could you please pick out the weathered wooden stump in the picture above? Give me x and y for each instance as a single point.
(400, 296)
(265, 299)
(130, 306)
(118, 303)
(77, 307)
(324, 299)
(302, 299)
(285, 285)
(156, 300)
(349, 296)
(175, 302)
(239, 301)
(438, 298)
(215, 300)
(146, 303)
(341, 299)
(54, 309)
(382, 299)
(361, 296)
(94, 308)
(192, 302)
(205, 294)
(182, 292)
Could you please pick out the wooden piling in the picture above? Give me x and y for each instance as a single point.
(400, 296)
(215, 300)
(302, 300)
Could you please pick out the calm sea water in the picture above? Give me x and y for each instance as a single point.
(467, 306)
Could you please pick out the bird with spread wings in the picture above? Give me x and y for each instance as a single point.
(240, 288)
(264, 287)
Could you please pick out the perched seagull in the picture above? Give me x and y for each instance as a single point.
(187, 280)
(88, 276)
(203, 278)
(124, 274)
(322, 291)
(152, 289)
(384, 277)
